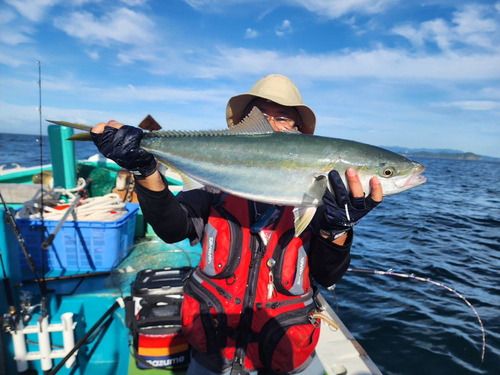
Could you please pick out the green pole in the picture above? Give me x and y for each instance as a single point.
(62, 153)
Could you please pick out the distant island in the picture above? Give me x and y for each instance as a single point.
(440, 154)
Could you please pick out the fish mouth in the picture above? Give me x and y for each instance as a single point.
(414, 179)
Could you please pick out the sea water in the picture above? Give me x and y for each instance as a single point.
(447, 230)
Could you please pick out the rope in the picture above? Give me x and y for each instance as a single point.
(106, 208)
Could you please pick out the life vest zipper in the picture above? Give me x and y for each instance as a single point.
(221, 321)
(249, 300)
(276, 304)
(224, 293)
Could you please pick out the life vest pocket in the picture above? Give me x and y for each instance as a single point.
(287, 341)
(222, 244)
(291, 273)
(204, 321)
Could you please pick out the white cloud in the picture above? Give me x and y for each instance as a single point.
(88, 92)
(415, 36)
(122, 25)
(472, 105)
(472, 20)
(163, 94)
(34, 10)
(470, 26)
(339, 8)
(6, 16)
(22, 119)
(332, 9)
(94, 55)
(284, 28)
(13, 35)
(491, 92)
(11, 60)
(138, 54)
(12, 30)
(382, 63)
(264, 14)
(250, 34)
(135, 2)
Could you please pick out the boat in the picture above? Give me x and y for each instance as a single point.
(80, 304)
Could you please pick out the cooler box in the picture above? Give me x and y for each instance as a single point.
(154, 318)
(79, 245)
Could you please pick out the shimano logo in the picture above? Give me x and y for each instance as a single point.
(210, 249)
(166, 362)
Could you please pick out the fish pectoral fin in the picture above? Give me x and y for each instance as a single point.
(189, 183)
(317, 189)
(303, 216)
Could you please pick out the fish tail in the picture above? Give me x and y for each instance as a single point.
(77, 137)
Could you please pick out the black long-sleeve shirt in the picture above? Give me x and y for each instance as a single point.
(175, 218)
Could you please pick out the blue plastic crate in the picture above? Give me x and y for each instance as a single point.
(79, 245)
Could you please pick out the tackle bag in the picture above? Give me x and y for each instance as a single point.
(153, 315)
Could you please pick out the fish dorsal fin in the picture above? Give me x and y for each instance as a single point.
(254, 123)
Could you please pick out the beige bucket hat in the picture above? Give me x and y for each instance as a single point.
(279, 89)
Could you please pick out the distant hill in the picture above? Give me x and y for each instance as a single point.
(439, 153)
(403, 150)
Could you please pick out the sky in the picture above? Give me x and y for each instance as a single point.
(415, 74)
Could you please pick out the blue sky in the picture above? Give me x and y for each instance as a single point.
(385, 72)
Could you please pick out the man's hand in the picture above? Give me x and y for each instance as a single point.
(121, 143)
(344, 210)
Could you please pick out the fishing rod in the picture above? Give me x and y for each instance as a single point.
(12, 222)
(412, 276)
(69, 277)
(43, 287)
(48, 241)
(82, 341)
(8, 290)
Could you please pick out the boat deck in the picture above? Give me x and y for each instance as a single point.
(339, 352)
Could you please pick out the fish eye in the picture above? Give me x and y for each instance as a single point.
(387, 172)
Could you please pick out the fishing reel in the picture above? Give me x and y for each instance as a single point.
(27, 309)
(9, 322)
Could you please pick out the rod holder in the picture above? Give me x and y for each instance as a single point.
(45, 355)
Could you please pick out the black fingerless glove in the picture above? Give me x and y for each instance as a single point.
(342, 211)
(123, 147)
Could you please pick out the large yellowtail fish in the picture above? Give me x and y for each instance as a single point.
(253, 161)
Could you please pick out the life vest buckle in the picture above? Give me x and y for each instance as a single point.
(313, 321)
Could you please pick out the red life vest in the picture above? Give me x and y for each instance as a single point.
(237, 306)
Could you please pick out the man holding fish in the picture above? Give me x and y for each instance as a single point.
(248, 306)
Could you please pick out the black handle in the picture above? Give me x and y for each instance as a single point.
(48, 241)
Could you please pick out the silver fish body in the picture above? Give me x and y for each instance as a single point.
(253, 161)
(279, 168)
